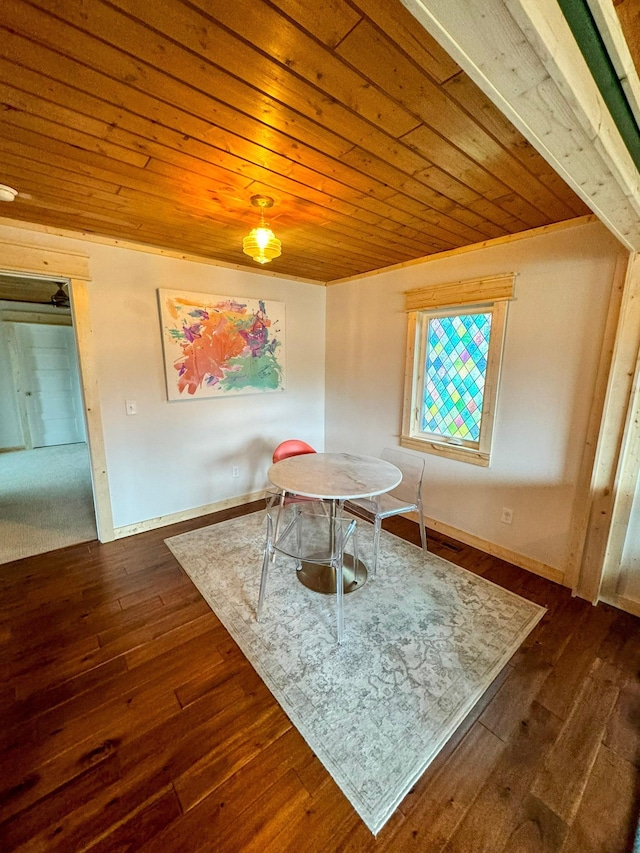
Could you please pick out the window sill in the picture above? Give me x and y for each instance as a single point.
(448, 451)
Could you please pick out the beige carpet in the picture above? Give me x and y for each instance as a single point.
(46, 500)
(422, 644)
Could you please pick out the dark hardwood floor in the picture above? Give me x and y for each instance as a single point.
(131, 721)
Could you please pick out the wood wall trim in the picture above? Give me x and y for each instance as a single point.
(40, 260)
(79, 293)
(472, 291)
(624, 490)
(629, 605)
(576, 222)
(528, 563)
(610, 442)
(73, 266)
(186, 514)
(446, 451)
(587, 484)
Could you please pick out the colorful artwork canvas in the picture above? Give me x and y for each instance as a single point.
(219, 345)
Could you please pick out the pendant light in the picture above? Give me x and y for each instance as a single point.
(261, 243)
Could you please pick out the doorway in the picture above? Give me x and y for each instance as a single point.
(47, 380)
(46, 494)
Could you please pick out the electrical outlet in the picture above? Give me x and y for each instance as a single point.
(507, 515)
(131, 407)
(235, 471)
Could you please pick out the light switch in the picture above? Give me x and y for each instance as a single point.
(131, 407)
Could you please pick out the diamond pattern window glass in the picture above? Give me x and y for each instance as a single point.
(453, 371)
(456, 363)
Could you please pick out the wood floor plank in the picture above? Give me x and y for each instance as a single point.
(435, 817)
(621, 735)
(40, 825)
(151, 817)
(179, 742)
(492, 817)
(575, 662)
(202, 757)
(620, 647)
(261, 824)
(236, 794)
(86, 744)
(52, 669)
(111, 807)
(234, 746)
(537, 829)
(565, 774)
(143, 653)
(314, 827)
(248, 827)
(211, 678)
(608, 811)
(554, 632)
(515, 698)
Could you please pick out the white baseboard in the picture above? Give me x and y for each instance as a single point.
(185, 515)
(523, 562)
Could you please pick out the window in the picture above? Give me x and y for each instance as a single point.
(453, 367)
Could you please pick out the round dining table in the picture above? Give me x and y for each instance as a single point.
(334, 477)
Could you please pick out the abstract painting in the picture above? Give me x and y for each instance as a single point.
(220, 345)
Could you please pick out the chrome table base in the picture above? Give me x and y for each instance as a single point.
(323, 578)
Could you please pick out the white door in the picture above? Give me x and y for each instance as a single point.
(50, 383)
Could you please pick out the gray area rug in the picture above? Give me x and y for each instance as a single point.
(46, 500)
(423, 642)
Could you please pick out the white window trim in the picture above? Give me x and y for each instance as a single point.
(411, 436)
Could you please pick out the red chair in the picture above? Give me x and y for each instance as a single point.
(291, 447)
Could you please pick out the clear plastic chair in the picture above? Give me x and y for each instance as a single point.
(310, 538)
(286, 449)
(406, 497)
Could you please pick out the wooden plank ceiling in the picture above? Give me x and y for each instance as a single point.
(157, 121)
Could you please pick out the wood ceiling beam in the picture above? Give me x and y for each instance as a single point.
(523, 55)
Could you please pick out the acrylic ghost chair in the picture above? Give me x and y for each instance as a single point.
(286, 449)
(406, 497)
(309, 537)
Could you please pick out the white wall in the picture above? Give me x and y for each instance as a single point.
(552, 346)
(178, 456)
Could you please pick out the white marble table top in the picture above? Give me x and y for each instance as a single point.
(335, 476)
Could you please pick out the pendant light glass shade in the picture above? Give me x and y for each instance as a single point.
(261, 243)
